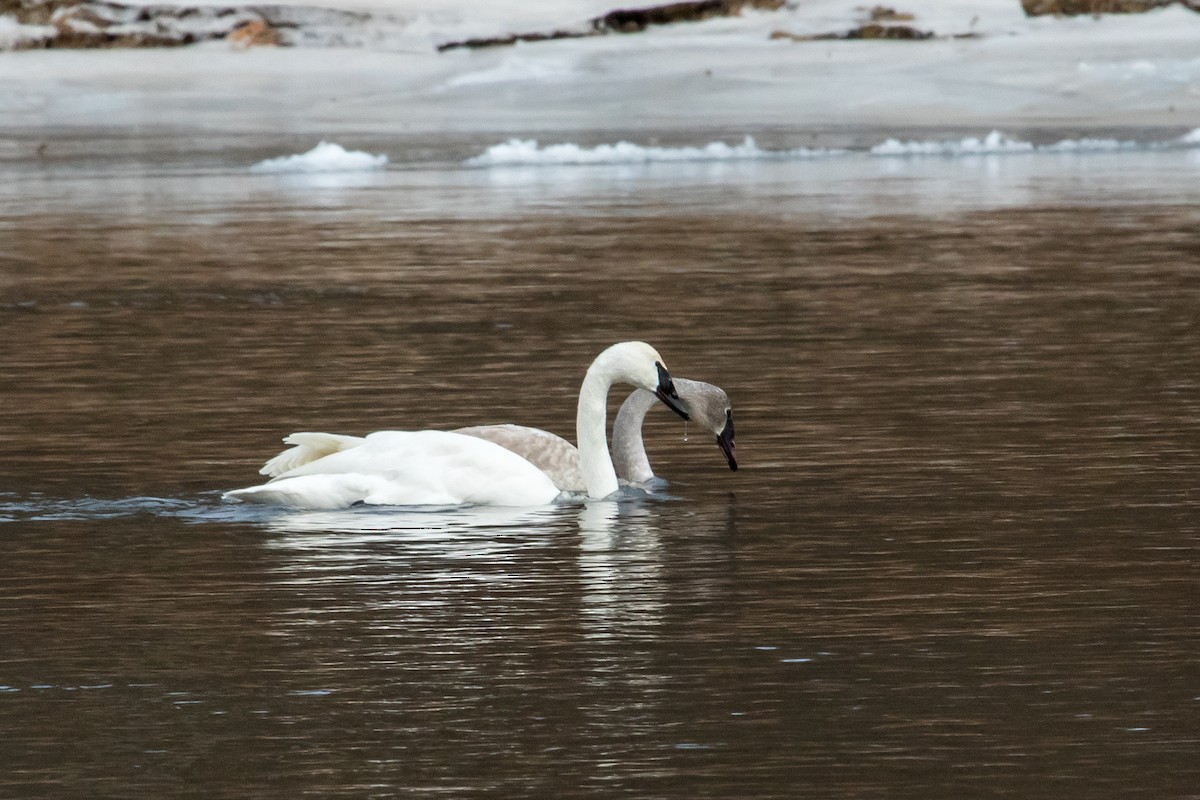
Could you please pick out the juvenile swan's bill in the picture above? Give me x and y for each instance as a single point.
(707, 405)
(325, 470)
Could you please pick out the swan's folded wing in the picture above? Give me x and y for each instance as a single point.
(308, 447)
(550, 453)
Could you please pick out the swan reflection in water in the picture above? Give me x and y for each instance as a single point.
(599, 562)
(395, 553)
(398, 521)
(491, 597)
(621, 565)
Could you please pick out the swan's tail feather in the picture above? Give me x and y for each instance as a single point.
(307, 447)
(312, 491)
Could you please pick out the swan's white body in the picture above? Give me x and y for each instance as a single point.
(325, 471)
(399, 468)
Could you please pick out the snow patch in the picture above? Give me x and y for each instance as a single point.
(1144, 70)
(517, 68)
(14, 34)
(325, 157)
(523, 152)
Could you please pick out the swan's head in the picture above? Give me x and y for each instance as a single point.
(640, 364)
(709, 407)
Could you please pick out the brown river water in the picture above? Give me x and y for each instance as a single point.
(959, 559)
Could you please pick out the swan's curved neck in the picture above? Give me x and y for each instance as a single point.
(628, 449)
(591, 432)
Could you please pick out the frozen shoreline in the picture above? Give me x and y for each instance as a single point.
(1075, 77)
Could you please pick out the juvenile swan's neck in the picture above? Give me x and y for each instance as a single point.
(591, 424)
(628, 449)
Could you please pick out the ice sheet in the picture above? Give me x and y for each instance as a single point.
(1087, 79)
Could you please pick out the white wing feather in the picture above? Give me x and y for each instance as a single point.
(308, 448)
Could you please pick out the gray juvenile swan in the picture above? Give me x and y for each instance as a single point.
(707, 405)
(433, 467)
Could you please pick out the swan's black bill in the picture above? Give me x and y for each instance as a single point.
(666, 392)
(725, 440)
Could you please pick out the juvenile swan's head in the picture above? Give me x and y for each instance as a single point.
(709, 407)
(640, 364)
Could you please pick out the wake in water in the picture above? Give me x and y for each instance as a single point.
(203, 508)
(208, 508)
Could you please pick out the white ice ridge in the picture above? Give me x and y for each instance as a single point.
(997, 143)
(528, 152)
(994, 142)
(325, 157)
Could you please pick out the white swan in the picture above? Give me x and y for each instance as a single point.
(707, 405)
(324, 470)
